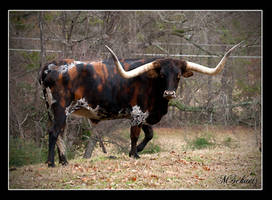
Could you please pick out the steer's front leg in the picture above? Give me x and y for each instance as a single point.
(134, 135)
(148, 130)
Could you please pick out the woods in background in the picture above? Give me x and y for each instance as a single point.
(231, 98)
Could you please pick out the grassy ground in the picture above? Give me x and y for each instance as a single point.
(203, 157)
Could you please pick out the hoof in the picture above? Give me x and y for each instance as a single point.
(51, 164)
(64, 163)
(135, 155)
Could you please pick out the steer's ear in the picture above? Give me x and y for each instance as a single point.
(187, 73)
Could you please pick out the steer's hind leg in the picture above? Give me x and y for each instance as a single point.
(134, 135)
(61, 149)
(148, 130)
(57, 128)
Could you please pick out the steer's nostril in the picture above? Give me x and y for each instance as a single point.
(169, 94)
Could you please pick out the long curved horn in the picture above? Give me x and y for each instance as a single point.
(211, 71)
(134, 72)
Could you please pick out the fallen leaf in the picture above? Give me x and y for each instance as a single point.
(198, 178)
(84, 179)
(182, 161)
(206, 168)
(37, 173)
(172, 152)
(194, 167)
(133, 178)
(154, 176)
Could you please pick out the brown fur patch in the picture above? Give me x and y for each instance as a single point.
(101, 70)
(60, 78)
(62, 102)
(133, 100)
(68, 61)
(187, 73)
(72, 73)
(152, 74)
(79, 92)
(105, 71)
(100, 88)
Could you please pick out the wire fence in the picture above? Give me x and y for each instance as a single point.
(149, 54)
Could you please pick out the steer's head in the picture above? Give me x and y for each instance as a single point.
(168, 74)
(169, 71)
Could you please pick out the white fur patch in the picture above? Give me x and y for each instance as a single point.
(62, 68)
(82, 108)
(61, 145)
(137, 116)
(50, 98)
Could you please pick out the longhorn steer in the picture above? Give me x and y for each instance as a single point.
(104, 90)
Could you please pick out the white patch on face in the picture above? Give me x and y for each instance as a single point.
(137, 116)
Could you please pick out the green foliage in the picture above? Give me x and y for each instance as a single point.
(226, 36)
(230, 142)
(70, 153)
(86, 133)
(201, 143)
(151, 148)
(160, 26)
(248, 90)
(95, 21)
(179, 31)
(27, 152)
(32, 60)
(227, 141)
(206, 140)
(48, 16)
(21, 20)
(25, 86)
(183, 107)
(51, 56)
(24, 152)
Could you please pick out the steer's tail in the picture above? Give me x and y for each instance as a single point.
(44, 83)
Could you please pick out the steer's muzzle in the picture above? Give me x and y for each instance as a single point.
(169, 94)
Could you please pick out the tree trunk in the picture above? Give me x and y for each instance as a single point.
(90, 147)
(227, 88)
(207, 39)
(96, 137)
(42, 58)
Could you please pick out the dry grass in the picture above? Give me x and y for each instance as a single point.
(234, 155)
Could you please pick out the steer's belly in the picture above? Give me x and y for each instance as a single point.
(83, 112)
(100, 114)
(83, 109)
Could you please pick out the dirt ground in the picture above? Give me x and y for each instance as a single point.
(233, 161)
